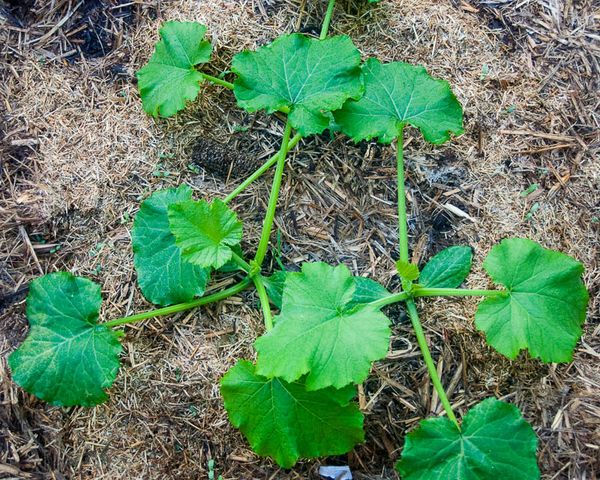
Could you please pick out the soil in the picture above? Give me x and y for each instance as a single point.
(77, 155)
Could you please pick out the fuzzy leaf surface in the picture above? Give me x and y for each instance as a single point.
(285, 421)
(407, 271)
(310, 77)
(205, 232)
(319, 332)
(447, 269)
(546, 304)
(169, 79)
(398, 94)
(67, 358)
(495, 442)
(165, 278)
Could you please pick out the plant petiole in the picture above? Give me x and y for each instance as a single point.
(327, 20)
(264, 301)
(435, 379)
(243, 264)
(402, 220)
(394, 298)
(215, 297)
(258, 173)
(272, 206)
(217, 81)
(419, 291)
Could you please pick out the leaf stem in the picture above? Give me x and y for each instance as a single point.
(243, 264)
(217, 81)
(456, 292)
(263, 245)
(258, 173)
(215, 297)
(394, 298)
(264, 302)
(402, 220)
(435, 379)
(327, 20)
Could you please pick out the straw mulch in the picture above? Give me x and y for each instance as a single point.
(77, 155)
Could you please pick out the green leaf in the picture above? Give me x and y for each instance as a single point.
(407, 271)
(285, 421)
(546, 304)
(495, 442)
(169, 78)
(274, 286)
(165, 278)
(447, 269)
(206, 232)
(397, 94)
(310, 77)
(320, 333)
(367, 291)
(67, 358)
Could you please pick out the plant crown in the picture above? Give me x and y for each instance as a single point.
(296, 401)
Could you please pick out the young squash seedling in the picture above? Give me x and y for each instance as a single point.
(330, 327)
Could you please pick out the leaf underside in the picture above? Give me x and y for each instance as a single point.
(546, 305)
(321, 333)
(495, 442)
(169, 79)
(448, 269)
(285, 421)
(164, 277)
(205, 232)
(398, 94)
(310, 77)
(67, 358)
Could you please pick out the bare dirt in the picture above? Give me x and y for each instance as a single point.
(77, 155)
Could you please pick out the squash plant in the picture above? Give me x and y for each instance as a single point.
(297, 399)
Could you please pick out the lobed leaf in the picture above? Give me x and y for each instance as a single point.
(495, 442)
(545, 306)
(398, 94)
(310, 77)
(448, 269)
(169, 78)
(274, 287)
(320, 332)
(285, 421)
(67, 358)
(205, 232)
(165, 278)
(407, 271)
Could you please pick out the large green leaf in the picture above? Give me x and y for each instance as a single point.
(495, 443)
(545, 306)
(320, 332)
(310, 77)
(206, 232)
(285, 421)
(165, 278)
(67, 358)
(169, 78)
(447, 269)
(397, 94)
(366, 291)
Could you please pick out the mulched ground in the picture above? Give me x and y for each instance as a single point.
(77, 154)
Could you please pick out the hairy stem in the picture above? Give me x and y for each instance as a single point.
(435, 379)
(263, 245)
(215, 297)
(327, 20)
(402, 221)
(395, 298)
(258, 173)
(217, 81)
(456, 292)
(264, 302)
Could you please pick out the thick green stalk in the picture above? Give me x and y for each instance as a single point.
(402, 220)
(264, 302)
(258, 173)
(215, 297)
(327, 20)
(243, 264)
(456, 292)
(395, 298)
(435, 379)
(263, 245)
(217, 81)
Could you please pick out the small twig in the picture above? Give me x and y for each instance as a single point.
(23, 233)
